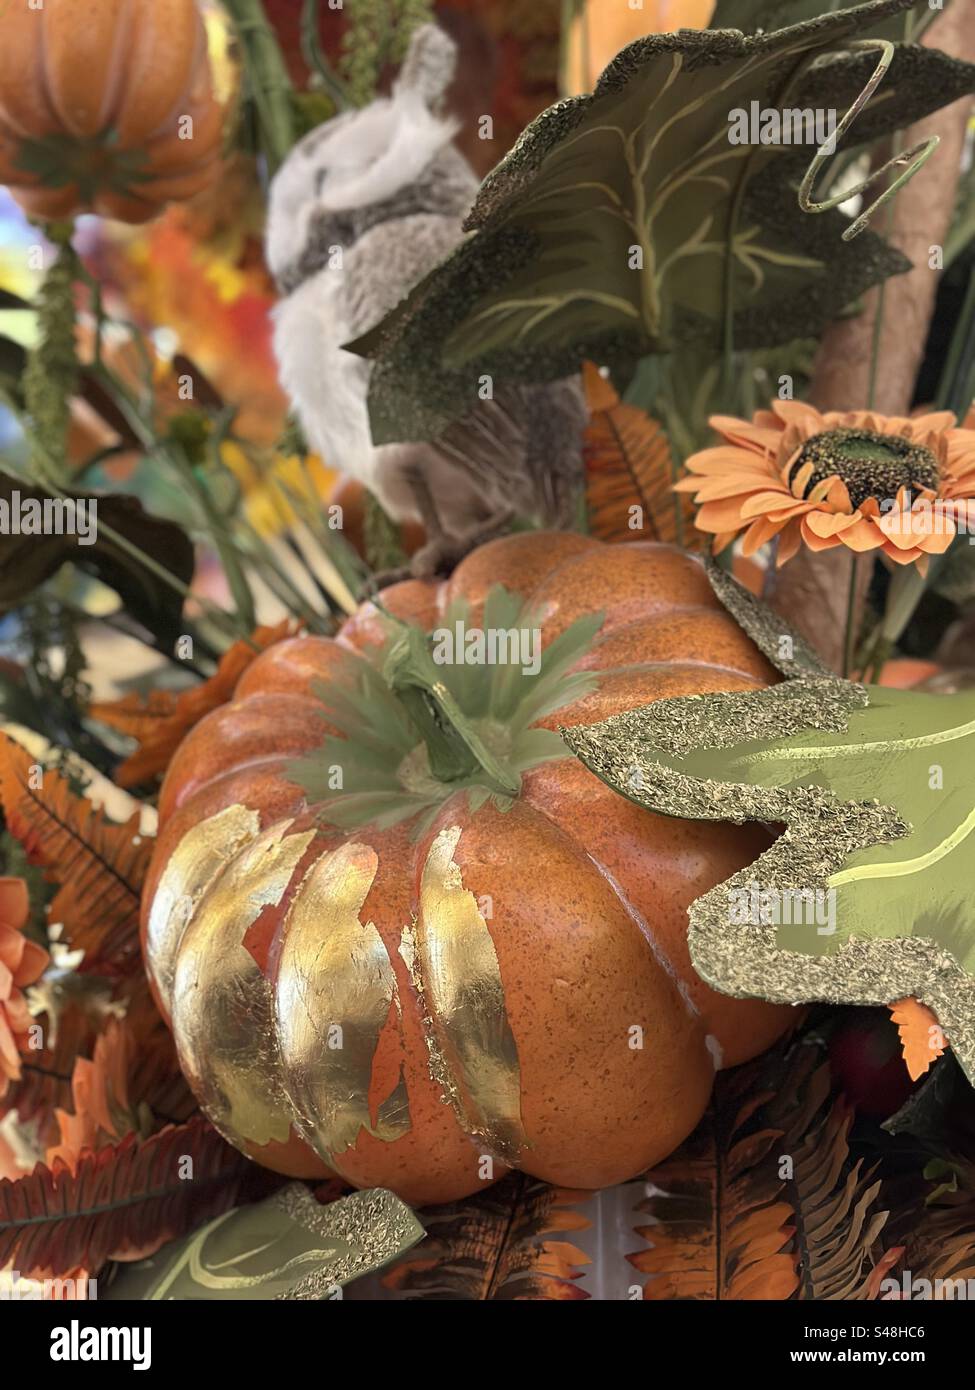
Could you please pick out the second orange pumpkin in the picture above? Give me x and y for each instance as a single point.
(106, 107)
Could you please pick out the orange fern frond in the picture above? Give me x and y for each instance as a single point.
(503, 1244)
(119, 1203)
(161, 720)
(920, 1033)
(98, 865)
(629, 471)
(763, 1201)
(101, 1113)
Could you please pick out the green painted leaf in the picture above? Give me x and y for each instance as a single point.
(866, 896)
(288, 1247)
(548, 279)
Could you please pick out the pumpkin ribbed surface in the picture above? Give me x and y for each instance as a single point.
(106, 107)
(420, 978)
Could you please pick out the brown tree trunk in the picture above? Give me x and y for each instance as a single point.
(812, 590)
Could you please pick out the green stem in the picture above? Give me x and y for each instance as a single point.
(958, 377)
(270, 84)
(50, 377)
(454, 750)
(903, 596)
(318, 64)
(850, 635)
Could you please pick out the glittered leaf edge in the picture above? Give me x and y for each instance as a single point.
(821, 832)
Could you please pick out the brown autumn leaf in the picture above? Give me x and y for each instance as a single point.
(121, 1202)
(920, 1033)
(98, 865)
(162, 719)
(628, 465)
(762, 1202)
(502, 1244)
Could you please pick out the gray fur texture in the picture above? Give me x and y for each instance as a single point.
(363, 208)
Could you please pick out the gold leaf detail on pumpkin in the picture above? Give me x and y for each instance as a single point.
(920, 1033)
(335, 971)
(199, 858)
(464, 992)
(222, 1009)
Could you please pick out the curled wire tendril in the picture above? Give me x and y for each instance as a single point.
(910, 161)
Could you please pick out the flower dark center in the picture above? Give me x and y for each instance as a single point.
(871, 465)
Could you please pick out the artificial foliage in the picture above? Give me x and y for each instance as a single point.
(482, 872)
(765, 1200)
(626, 222)
(875, 790)
(287, 1247)
(513, 1242)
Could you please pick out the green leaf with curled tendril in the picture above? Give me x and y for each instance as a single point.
(626, 222)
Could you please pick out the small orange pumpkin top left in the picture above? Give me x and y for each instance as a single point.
(106, 106)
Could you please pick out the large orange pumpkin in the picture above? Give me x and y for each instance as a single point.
(401, 936)
(106, 106)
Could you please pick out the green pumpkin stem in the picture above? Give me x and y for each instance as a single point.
(454, 751)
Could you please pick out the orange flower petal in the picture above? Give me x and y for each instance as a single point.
(800, 479)
(14, 903)
(824, 524)
(814, 542)
(757, 535)
(745, 432)
(798, 413)
(724, 515)
(837, 496)
(723, 458)
(723, 539)
(862, 536)
(714, 489)
(904, 557)
(33, 963)
(789, 542)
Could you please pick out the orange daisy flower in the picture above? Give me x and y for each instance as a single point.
(866, 481)
(21, 963)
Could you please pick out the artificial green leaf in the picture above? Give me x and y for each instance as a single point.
(288, 1247)
(866, 895)
(753, 15)
(606, 232)
(27, 560)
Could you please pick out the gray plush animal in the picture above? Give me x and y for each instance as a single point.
(361, 210)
